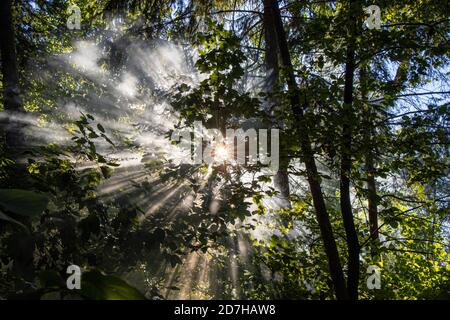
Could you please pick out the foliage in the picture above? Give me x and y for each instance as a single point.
(161, 228)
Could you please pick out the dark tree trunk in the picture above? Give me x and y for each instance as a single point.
(11, 90)
(372, 198)
(346, 162)
(281, 178)
(369, 157)
(271, 7)
(397, 84)
(11, 98)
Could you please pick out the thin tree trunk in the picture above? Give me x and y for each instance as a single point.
(369, 157)
(346, 163)
(308, 157)
(372, 198)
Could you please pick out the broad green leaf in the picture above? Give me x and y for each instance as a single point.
(97, 286)
(50, 278)
(8, 218)
(22, 202)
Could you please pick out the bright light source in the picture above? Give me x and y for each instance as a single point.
(221, 153)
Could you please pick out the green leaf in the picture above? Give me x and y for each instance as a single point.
(100, 127)
(50, 279)
(159, 235)
(97, 286)
(106, 171)
(393, 224)
(8, 218)
(173, 288)
(107, 139)
(22, 202)
(174, 260)
(113, 164)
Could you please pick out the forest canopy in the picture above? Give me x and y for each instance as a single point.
(193, 149)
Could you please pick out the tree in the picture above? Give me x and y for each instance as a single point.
(363, 178)
(312, 174)
(11, 91)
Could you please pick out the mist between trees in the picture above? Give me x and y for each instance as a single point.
(135, 149)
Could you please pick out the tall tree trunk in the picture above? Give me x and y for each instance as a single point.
(369, 156)
(398, 83)
(281, 178)
(11, 98)
(346, 161)
(271, 6)
(11, 91)
(372, 197)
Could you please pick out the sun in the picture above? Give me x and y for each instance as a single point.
(221, 153)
